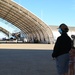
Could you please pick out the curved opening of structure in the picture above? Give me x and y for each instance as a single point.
(8, 26)
(13, 32)
(3, 35)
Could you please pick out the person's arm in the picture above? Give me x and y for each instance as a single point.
(56, 48)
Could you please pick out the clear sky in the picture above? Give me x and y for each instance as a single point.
(52, 12)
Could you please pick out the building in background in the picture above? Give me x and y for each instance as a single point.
(56, 33)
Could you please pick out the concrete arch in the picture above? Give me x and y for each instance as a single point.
(24, 20)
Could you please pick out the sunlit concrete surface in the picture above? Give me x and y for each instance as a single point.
(26, 62)
(26, 46)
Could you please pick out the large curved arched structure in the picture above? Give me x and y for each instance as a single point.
(4, 31)
(31, 25)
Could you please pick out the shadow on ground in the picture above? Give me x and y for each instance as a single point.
(26, 62)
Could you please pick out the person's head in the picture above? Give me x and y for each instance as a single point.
(63, 28)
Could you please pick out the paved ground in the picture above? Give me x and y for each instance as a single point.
(26, 46)
(26, 62)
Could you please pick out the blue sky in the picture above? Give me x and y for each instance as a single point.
(52, 12)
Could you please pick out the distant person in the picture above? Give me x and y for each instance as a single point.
(61, 50)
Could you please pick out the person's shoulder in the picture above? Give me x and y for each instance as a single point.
(59, 37)
(68, 36)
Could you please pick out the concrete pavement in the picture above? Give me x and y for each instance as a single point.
(26, 62)
(26, 46)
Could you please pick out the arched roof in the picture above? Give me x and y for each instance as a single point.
(25, 20)
(4, 31)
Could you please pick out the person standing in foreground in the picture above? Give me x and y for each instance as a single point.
(61, 50)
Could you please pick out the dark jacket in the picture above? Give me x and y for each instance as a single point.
(62, 45)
